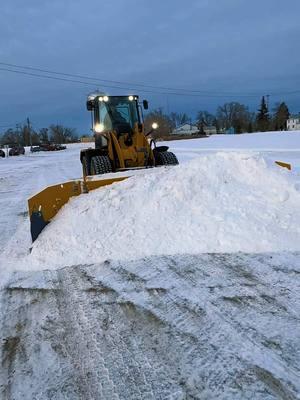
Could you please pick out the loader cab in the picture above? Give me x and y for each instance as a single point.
(120, 139)
(121, 114)
(117, 124)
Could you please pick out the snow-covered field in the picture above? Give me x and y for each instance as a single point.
(179, 323)
(273, 145)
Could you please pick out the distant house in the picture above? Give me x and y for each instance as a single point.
(210, 130)
(87, 139)
(293, 123)
(186, 129)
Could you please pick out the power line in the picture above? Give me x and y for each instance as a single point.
(76, 81)
(96, 81)
(118, 87)
(10, 125)
(118, 82)
(48, 77)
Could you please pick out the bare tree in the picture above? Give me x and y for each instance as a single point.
(165, 123)
(179, 118)
(43, 134)
(11, 136)
(234, 115)
(61, 134)
(206, 118)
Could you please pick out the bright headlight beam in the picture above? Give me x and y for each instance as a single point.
(105, 98)
(98, 128)
(154, 125)
(131, 98)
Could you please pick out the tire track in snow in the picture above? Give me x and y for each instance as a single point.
(181, 327)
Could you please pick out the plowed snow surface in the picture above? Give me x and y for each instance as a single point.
(226, 202)
(179, 327)
(189, 326)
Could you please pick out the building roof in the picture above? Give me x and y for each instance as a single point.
(186, 125)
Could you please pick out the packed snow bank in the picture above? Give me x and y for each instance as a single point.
(284, 146)
(225, 202)
(267, 141)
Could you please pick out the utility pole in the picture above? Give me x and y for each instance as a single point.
(268, 100)
(29, 131)
(18, 133)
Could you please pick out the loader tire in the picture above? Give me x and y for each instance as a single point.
(166, 158)
(100, 165)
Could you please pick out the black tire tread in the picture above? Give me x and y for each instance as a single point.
(100, 165)
(166, 158)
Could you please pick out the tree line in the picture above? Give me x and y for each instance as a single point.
(230, 115)
(24, 135)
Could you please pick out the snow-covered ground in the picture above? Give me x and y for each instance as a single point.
(180, 323)
(227, 195)
(225, 202)
(180, 327)
(274, 145)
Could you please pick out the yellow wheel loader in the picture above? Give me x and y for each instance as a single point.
(121, 144)
(120, 139)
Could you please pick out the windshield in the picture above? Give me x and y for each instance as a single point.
(118, 110)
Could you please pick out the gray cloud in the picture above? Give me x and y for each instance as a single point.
(212, 45)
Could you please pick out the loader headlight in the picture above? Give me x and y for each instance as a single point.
(155, 125)
(105, 98)
(131, 98)
(98, 128)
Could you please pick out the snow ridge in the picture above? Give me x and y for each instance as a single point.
(226, 202)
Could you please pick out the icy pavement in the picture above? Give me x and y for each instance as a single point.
(181, 327)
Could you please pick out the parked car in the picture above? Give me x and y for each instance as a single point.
(35, 149)
(52, 147)
(60, 147)
(2, 153)
(17, 151)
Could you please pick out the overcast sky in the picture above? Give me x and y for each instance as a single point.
(215, 46)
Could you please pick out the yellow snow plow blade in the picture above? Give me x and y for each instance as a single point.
(45, 205)
(284, 165)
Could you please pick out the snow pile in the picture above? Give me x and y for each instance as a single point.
(267, 141)
(226, 202)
